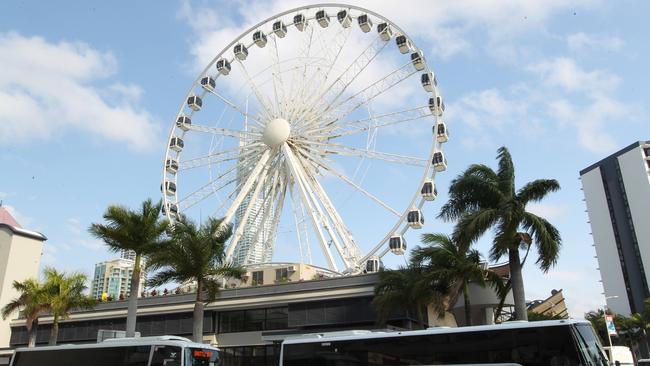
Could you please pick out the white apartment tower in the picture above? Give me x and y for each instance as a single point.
(113, 278)
(617, 193)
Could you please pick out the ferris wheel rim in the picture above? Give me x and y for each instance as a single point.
(429, 172)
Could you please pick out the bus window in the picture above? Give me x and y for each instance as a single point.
(138, 356)
(201, 357)
(166, 356)
(590, 346)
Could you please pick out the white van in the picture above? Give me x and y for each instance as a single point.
(620, 354)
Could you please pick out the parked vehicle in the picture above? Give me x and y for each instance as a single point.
(619, 355)
(543, 343)
(143, 351)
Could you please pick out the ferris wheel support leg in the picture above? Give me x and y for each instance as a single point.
(242, 224)
(291, 162)
(335, 232)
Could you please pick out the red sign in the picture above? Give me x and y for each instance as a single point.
(202, 354)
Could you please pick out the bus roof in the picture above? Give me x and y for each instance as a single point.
(121, 342)
(355, 334)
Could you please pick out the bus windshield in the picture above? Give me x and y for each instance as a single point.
(201, 357)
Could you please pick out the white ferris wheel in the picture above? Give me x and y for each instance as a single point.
(319, 129)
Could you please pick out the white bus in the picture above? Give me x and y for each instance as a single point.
(544, 343)
(143, 351)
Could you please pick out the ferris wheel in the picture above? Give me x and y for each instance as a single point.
(320, 129)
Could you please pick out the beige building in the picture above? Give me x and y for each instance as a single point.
(20, 257)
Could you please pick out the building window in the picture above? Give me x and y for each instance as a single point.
(281, 274)
(258, 278)
(253, 320)
(647, 151)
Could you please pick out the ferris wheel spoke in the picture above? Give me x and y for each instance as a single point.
(352, 71)
(338, 149)
(225, 131)
(371, 92)
(240, 152)
(350, 182)
(261, 98)
(306, 199)
(236, 108)
(207, 190)
(278, 86)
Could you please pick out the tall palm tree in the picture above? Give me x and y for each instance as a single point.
(407, 288)
(139, 231)
(32, 302)
(451, 260)
(194, 254)
(482, 199)
(65, 292)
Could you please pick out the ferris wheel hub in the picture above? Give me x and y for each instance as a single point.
(276, 132)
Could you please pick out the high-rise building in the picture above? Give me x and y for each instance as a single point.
(113, 278)
(20, 256)
(255, 246)
(617, 193)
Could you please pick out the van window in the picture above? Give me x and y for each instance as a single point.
(166, 356)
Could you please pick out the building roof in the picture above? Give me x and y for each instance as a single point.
(7, 218)
(7, 221)
(614, 155)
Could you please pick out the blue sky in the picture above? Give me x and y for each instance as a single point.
(88, 93)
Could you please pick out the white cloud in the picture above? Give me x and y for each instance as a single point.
(49, 88)
(74, 225)
(548, 211)
(582, 41)
(94, 245)
(563, 72)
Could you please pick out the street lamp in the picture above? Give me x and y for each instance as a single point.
(609, 337)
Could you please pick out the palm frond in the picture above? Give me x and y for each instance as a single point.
(536, 190)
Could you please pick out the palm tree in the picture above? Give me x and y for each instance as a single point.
(139, 231)
(482, 199)
(65, 292)
(32, 303)
(451, 260)
(194, 254)
(407, 288)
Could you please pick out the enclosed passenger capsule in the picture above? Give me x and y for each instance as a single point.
(172, 208)
(436, 105)
(259, 38)
(364, 23)
(403, 43)
(344, 18)
(194, 102)
(415, 218)
(300, 22)
(171, 166)
(439, 161)
(397, 244)
(373, 265)
(241, 52)
(429, 191)
(418, 60)
(208, 83)
(223, 66)
(322, 18)
(168, 188)
(183, 122)
(385, 31)
(176, 144)
(279, 29)
(429, 81)
(442, 135)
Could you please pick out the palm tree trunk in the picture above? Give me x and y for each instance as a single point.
(54, 333)
(132, 311)
(517, 284)
(31, 332)
(468, 309)
(197, 324)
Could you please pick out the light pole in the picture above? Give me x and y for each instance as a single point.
(609, 337)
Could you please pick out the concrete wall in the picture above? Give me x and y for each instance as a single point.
(21, 257)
